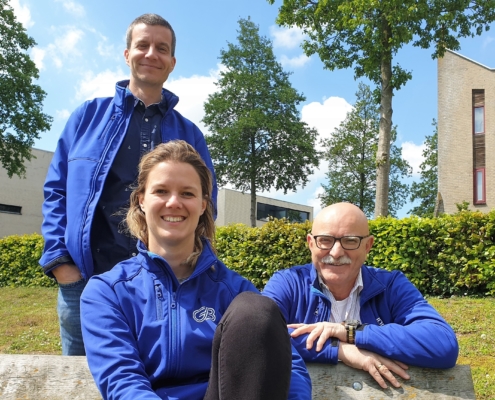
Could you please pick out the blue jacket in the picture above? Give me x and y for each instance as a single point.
(401, 324)
(77, 173)
(143, 334)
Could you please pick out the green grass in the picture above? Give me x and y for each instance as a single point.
(28, 321)
(473, 321)
(29, 325)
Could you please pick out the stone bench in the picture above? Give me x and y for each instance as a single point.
(53, 377)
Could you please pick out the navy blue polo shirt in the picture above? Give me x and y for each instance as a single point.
(110, 243)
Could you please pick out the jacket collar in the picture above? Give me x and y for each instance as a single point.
(371, 285)
(122, 95)
(206, 259)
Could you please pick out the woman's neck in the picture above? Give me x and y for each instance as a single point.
(176, 257)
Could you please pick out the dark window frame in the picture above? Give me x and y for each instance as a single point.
(283, 212)
(475, 186)
(10, 209)
(474, 120)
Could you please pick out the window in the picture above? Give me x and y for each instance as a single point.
(479, 186)
(265, 211)
(5, 208)
(479, 148)
(479, 120)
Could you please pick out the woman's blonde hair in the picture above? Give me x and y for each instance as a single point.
(176, 151)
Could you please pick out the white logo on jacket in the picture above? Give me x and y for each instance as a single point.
(203, 314)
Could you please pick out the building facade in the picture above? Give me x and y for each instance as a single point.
(21, 198)
(466, 134)
(235, 207)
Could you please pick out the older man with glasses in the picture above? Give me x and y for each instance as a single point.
(338, 308)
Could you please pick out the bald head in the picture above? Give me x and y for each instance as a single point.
(341, 216)
(339, 267)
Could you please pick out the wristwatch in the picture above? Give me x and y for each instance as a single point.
(351, 325)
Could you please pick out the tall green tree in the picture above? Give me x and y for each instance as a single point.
(21, 116)
(351, 156)
(257, 139)
(367, 35)
(427, 188)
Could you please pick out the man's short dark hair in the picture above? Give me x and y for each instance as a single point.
(150, 19)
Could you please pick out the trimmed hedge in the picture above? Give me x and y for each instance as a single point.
(453, 254)
(256, 253)
(19, 257)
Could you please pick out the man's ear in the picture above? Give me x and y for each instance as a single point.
(126, 56)
(369, 244)
(309, 239)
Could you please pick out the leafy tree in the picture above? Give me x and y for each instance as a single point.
(257, 141)
(367, 35)
(21, 116)
(426, 190)
(351, 153)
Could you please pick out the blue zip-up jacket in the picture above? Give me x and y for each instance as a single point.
(401, 324)
(147, 337)
(85, 152)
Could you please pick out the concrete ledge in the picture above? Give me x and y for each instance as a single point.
(53, 377)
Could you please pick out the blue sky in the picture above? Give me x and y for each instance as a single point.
(80, 48)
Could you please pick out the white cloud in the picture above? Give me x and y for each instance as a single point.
(22, 13)
(73, 8)
(315, 202)
(68, 43)
(414, 155)
(65, 47)
(288, 38)
(294, 62)
(37, 55)
(488, 41)
(326, 116)
(193, 93)
(99, 85)
(107, 50)
(62, 115)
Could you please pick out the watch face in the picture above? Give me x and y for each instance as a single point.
(352, 322)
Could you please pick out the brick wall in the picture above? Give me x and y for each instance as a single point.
(457, 77)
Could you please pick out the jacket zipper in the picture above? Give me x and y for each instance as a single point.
(159, 302)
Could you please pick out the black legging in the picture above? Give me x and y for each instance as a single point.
(251, 354)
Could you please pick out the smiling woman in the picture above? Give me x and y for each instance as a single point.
(155, 325)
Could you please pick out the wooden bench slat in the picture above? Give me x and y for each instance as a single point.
(336, 383)
(53, 377)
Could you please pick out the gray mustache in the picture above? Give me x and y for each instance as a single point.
(328, 259)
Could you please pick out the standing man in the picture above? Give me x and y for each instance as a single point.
(95, 165)
(369, 318)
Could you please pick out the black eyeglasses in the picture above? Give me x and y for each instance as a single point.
(326, 242)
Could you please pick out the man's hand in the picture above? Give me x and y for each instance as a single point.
(379, 367)
(67, 273)
(321, 331)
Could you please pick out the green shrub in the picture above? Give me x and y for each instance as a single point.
(453, 254)
(19, 257)
(256, 253)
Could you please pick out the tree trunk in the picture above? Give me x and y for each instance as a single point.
(383, 152)
(253, 202)
(253, 180)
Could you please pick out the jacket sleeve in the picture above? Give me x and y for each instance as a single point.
(416, 333)
(283, 289)
(54, 205)
(111, 348)
(202, 149)
(300, 383)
